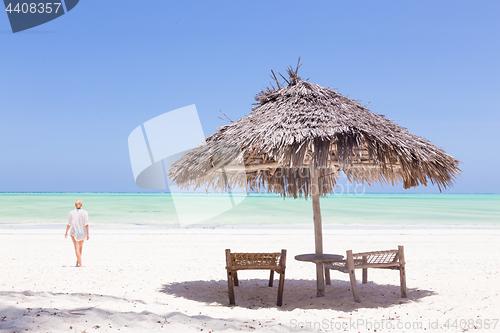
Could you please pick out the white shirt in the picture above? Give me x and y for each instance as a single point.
(78, 219)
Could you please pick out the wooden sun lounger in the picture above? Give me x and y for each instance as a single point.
(392, 259)
(275, 262)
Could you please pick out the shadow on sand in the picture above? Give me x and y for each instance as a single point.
(18, 318)
(301, 294)
(251, 294)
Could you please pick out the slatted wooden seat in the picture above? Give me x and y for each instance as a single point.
(391, 259)
(275, 262)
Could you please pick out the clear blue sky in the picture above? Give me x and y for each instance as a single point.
(73, 89)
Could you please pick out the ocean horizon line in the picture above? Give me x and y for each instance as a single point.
(257, 193)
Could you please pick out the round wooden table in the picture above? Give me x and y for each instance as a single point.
(325, 258)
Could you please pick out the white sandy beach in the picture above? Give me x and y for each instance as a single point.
(175, 281)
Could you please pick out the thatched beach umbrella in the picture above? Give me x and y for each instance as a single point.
(298, 139)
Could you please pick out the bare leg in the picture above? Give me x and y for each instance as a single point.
(80, 245)
(77, 251)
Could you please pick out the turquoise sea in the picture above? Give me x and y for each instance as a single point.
(158, 209)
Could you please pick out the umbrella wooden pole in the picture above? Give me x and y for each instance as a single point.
(318, 234)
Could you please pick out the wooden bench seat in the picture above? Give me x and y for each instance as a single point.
(275, 262)
(391, 259)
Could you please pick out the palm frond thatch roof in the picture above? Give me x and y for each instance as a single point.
(300, 123)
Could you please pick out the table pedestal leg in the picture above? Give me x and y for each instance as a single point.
(320, 275)
(327, 276)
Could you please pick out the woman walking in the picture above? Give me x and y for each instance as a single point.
(78, 228)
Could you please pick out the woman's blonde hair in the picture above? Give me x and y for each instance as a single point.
(78, 203)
